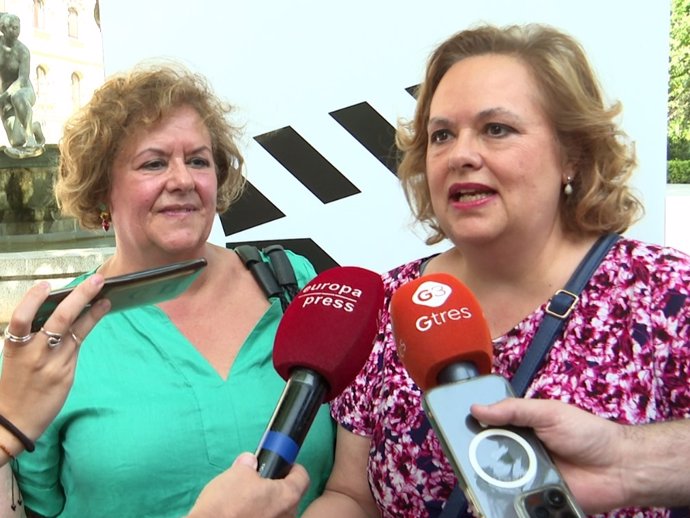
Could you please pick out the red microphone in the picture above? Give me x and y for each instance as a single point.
(440, 331)
(322, 342)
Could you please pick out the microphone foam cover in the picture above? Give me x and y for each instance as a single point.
(437, 322)
(330, 326)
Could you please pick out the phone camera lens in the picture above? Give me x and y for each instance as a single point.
(541, 512)
(555, 498)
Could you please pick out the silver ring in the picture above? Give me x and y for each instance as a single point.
(76, 339)
(54, 339)
(17, 339)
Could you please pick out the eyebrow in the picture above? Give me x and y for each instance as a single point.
(202, 148)
(160, 151)
(492, 112)
(438, 121)
(484, 114)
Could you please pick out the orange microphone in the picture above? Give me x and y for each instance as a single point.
(440, 331)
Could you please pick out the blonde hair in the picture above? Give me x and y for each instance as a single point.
(127, 102)
(601, 200)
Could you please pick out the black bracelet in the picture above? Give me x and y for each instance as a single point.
(28, 443)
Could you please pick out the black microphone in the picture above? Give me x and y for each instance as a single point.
(322, 342)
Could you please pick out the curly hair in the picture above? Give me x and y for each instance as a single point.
(572, 98)
(124, 104)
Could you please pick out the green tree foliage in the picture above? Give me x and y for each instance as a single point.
(678, 171)
(679, 82)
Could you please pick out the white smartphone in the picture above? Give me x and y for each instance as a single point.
(504, 472)
(133, 289)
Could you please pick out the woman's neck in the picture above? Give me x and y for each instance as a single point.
(508, 281)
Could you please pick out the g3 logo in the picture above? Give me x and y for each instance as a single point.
(432, 294)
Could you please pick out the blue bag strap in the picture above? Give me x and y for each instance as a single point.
(557, 312)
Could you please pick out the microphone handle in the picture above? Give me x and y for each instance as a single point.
(304, 393)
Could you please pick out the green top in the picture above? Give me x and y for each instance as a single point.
(149, 422)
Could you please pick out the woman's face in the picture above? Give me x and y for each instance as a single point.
(494, 166)
(163, 195)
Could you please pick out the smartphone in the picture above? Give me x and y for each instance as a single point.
(505, 472)
(549, 501)
(133, 289)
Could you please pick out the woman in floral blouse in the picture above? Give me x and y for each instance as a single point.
(514, 156)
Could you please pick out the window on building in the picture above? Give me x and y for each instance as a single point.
(76, 91)
(39, 14)
(73, 23)
(41, 80)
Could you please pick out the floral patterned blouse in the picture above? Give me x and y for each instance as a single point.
(624, 355)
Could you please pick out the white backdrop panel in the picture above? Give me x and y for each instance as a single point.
(290, 63)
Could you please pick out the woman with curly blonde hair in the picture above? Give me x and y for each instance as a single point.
(165, 396)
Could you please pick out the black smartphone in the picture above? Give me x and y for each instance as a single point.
(504, 472)
(133, 289)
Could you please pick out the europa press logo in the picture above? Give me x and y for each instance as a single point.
(432, 294)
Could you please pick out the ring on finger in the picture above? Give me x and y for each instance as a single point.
(54, 339)
(17, 339)
(76, 339)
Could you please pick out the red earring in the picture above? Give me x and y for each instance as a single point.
(105, 220)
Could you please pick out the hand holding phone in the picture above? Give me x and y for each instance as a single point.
(133, 289)
(445, 344)
(505, 472)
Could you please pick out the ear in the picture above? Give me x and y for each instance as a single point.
(569, 170)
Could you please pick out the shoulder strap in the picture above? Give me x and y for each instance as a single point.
(276, 279)
(557, 311)
(283, 270)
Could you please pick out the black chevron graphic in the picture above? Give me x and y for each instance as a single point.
(413, 90)
(250, 210)
(315, 172)
(371, 130)
(306, 164)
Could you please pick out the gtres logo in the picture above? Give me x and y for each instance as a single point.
(334, 295)
(434, 294)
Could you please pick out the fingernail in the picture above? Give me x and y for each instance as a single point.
(102, 305)
(97, 279)
(247, 459)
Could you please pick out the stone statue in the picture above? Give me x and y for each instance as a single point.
(17, 95)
